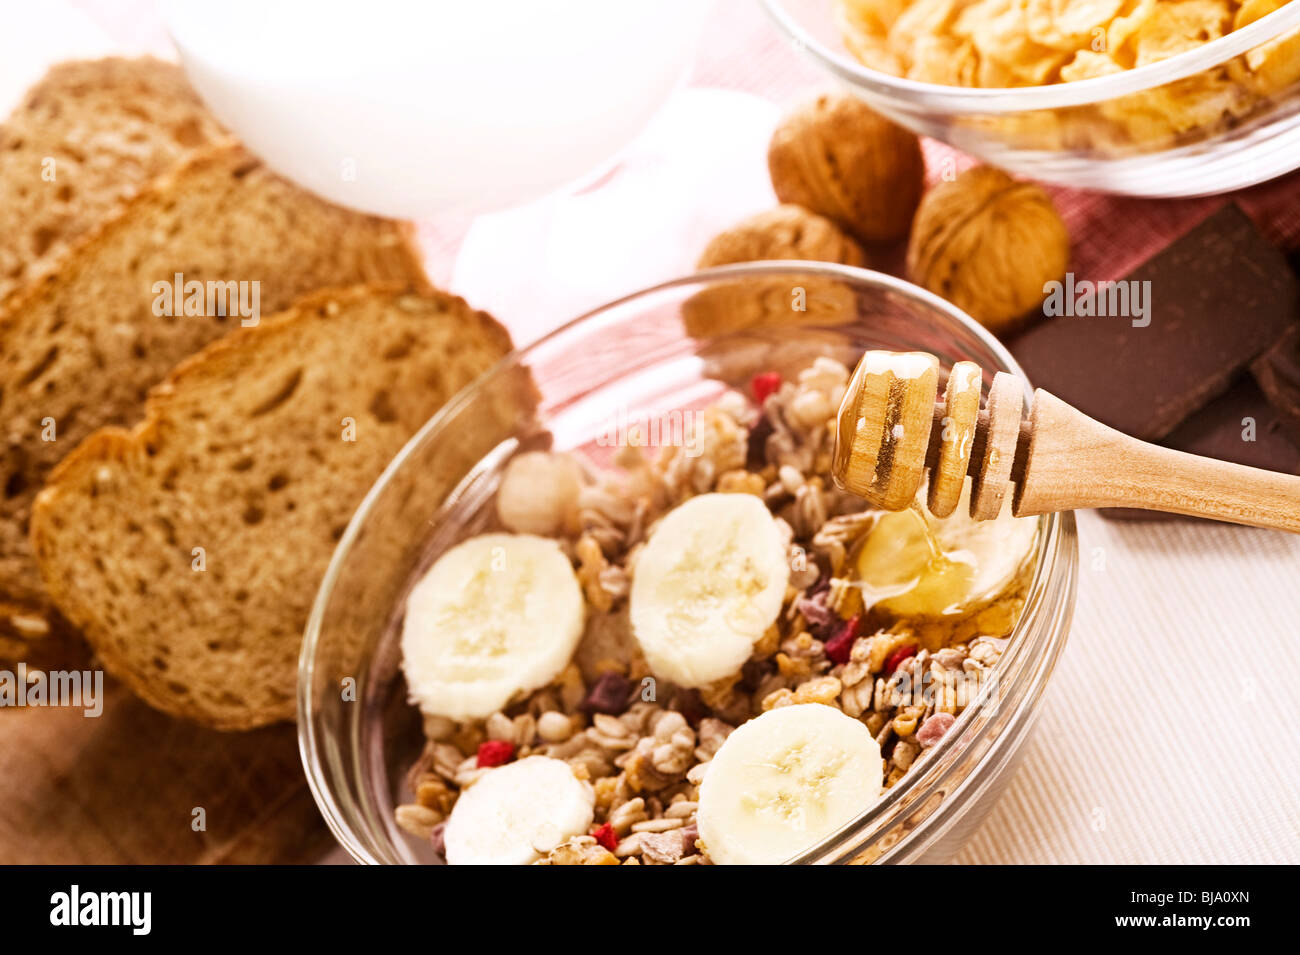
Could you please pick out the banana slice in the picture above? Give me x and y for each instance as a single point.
(707, 585)
(913, 564)
(516, 814)
(784, 781)
(496, 615)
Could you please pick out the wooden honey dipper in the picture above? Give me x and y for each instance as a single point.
(892, 429)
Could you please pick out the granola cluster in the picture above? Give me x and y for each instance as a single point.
(646, 745)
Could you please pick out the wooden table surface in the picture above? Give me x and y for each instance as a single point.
(124, 787)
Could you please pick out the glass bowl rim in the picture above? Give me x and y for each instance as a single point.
(1053, 530)
(961, 99)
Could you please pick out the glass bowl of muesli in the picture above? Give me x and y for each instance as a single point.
(608, 607)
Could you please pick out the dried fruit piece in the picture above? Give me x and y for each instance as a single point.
(897, 657)
(934, 727)
(606, 836)
(820, 618)
(495, 752)
(764, 385)
(607, 695)
(840, 645)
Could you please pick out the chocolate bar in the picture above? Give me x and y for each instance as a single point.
(1278, 374)
(1241, 426)
(1142, 354)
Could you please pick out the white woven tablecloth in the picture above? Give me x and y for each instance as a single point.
(1171, 730)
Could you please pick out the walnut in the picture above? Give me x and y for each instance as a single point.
(786, 232)
(768, 301)
(988, 244)
(839, 158)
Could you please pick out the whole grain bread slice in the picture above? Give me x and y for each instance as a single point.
(82, 141)
(189, 549)
(81, 346)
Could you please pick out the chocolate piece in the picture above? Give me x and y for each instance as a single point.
(1278, 374)
(1240, 426)
(1217, 298)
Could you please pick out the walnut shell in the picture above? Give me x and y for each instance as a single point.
(786, 232)
(768, 301)
(988, 244)
(842, 160)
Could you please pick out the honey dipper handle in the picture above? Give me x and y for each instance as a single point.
(1073, 461)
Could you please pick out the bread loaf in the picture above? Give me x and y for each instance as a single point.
(80, 347)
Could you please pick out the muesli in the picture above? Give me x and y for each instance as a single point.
(584, 665)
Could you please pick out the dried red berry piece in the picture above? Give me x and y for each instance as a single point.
(606, 836)
(764, 385)
(495, 752)
(840, 645)
(898, 656)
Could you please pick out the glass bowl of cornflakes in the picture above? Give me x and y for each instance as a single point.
(1157, 98)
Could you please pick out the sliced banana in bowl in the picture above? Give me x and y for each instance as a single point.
(784, 781)
(516, 814)
(496, 615)
(707, 585)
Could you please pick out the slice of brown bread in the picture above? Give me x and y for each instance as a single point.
(84, 140)
(246, 452)
(81, 347)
